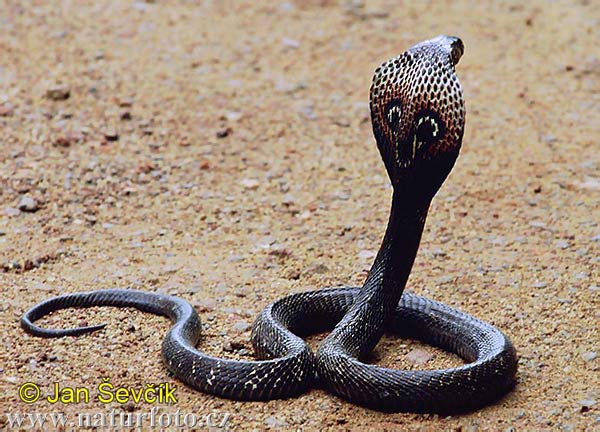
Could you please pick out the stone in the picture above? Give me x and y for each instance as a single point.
(275, 422)
(28, 204)
(6, 110)
(586, 404)
(250, 184)
(418, 356)
(589, 356)
(366, 254)
(241, 326)
(111, 135)
(317, 268)
(290, 43)
(11, 211)
(58, 93)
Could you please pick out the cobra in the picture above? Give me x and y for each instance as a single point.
(418, 117)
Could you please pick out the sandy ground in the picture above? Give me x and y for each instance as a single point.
(222, 152)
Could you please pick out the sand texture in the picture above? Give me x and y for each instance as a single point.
(223, 152)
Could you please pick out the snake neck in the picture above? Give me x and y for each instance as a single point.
(385, 283)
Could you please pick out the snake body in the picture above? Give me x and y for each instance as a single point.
(417, 112)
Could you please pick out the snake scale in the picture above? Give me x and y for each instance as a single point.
(418, 116)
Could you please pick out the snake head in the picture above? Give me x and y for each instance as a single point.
(418, 115)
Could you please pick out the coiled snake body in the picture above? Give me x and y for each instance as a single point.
(417, 112)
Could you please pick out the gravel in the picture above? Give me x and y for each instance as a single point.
(248, 133)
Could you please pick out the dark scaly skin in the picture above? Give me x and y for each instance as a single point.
(304, 313)
(289, 374)
(418, 115)
(417, 112)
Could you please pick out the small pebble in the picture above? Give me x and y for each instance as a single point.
(287, 6)
(11, 211)
(250, 184)
(366, 254)
(141, 5)
(498, 241)
(589, 356)
(68, 139)
(288, 200)
(205, 305)
(6, 110)
(28, 204)
(537, 224)
(280, 251)
(548, 138)
(445, 279)
(233, 115)
(283, 86)
(241, 326)
(126, 103)
(276, 422)
(588, 183)
(234, 258)
(586, 404)
(317, 268)
(231, 346)
(290, 43)
(418, 356)
(222, 133)
(111, 135)
(307, 111)
(58, 92)
(293, 274)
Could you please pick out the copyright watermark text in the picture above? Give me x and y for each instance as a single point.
(153, 418)
(106, 392)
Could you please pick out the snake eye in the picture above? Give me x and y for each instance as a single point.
(428, 128)
(393, 114)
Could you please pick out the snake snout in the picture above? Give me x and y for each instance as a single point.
(453, 46)
(457, 50)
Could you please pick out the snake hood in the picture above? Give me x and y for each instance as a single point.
(418, 115)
